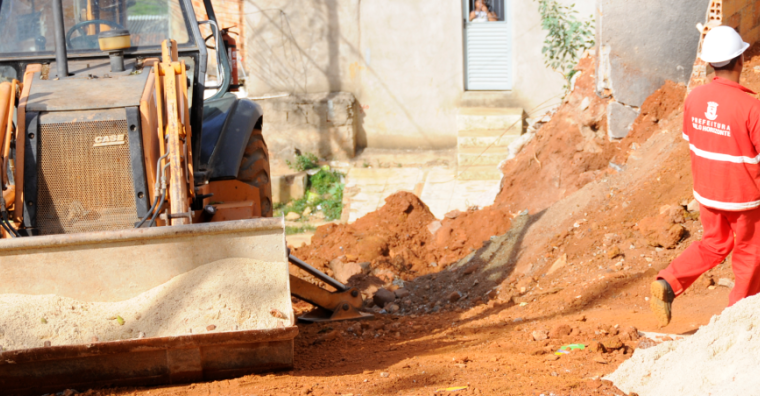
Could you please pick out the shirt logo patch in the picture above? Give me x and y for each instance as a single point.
(712, 111)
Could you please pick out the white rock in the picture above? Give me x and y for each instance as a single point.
(693, 206)
(292, 216)
(434, 227)
(725, 282)
(585, 103)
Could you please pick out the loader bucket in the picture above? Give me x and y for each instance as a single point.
(117, 267)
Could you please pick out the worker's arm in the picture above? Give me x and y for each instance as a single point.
(686, 120)
(753, 126)
(472, 15)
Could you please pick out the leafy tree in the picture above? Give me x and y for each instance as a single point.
(566, 37)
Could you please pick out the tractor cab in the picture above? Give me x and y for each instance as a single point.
(96, 62)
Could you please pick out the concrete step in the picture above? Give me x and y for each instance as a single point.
(477, 118)
(488, 172)
(477, 156)
(498, 140)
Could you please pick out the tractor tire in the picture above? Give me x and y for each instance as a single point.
(254, 169)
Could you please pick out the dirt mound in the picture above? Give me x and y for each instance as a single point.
(573, 149)
(402, 239)
(656, 108)
(721, 358)
(569, 151)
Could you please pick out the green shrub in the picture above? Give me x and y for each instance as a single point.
(304, 162)
(566, 36)
(325, 193)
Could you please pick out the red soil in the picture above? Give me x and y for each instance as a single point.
(485, 341)
(396, 238)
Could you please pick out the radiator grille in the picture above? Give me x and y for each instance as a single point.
(84, 176)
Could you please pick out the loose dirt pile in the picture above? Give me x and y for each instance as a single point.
(226, 295)
(573, 149)
(575, 270)
(569, 151)
(720, 359)
(400, 240)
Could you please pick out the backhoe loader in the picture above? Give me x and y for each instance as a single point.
(117, 175)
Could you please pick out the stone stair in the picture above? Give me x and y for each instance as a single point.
(483, 135)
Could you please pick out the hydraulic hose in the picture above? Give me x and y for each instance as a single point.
(156, 189)
(150, 211)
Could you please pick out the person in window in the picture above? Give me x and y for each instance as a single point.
(481, 13)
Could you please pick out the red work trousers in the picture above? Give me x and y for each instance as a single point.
(723, 231)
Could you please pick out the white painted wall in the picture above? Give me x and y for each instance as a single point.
(402, 60)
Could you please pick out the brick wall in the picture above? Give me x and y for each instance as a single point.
(744, 16)
(228, 13)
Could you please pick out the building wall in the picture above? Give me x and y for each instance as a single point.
(401, 59)
(744, 16)
(645, 43)
(229, 13)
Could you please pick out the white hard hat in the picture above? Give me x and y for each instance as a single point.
(721, 45)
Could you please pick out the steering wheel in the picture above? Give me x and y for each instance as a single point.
(89, 42)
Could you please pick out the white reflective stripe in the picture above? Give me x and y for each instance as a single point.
(726, 205)
(685, 136)
(737, 159)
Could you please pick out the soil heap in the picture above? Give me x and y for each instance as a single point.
(402, 239)
(720, 359)
(226, 295)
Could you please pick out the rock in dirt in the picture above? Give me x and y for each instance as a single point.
(725, 282)
(342, 272)
(705, 281)
(693, 206)
(613, 343)
(453, 214)
(330, 335)
(596, 347)
(661, 231)
(645, 343)
(292, 216)
(600, 360)
(560, 263)
(392, 308)
(434, 227)
(674, 213)
(382, 297)
(559, 331)
(454, 296)
(720, 359)
(401, 293)
(613, 252)
(385, 374)
(539, 335)
(469, 270)
(551, 357)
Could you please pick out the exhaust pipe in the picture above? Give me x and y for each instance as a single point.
(61, 59)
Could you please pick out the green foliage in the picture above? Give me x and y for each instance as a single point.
(149, 7)
(304, 162)
(290, 230)
(566, 36)
(325, 193)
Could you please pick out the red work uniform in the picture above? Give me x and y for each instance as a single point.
(722, 124)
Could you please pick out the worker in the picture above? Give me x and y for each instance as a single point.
(722, 125)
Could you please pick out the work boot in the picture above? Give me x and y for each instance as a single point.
(662, 300)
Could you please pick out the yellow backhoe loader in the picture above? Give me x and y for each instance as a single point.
(117, 175)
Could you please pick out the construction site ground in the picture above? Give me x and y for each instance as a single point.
(484, 298)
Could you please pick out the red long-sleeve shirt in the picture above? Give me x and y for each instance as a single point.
(722, 124)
